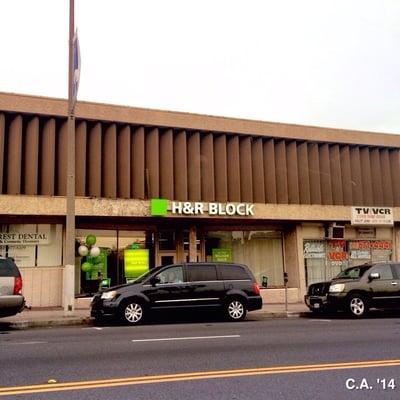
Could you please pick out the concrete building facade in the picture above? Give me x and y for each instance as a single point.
(303, 200)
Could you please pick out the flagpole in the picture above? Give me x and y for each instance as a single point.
(69, 259)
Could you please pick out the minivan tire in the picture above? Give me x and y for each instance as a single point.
(132, 312)
(357, 305)
(235, 309)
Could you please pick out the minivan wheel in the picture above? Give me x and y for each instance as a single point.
(236, 310)
(132, 313)
(357, 306)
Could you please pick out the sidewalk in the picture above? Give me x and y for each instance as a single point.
(56, 317)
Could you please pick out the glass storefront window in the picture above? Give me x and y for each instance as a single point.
(325, 259)
(124, 255)
(32, 245)
(261, 251)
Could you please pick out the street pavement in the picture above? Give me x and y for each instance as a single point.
(296, 358)
(34, 318)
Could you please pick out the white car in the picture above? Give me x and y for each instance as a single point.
(11, 299)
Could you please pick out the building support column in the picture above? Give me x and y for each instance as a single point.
(192, 244)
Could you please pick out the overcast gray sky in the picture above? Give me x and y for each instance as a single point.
(317, 62)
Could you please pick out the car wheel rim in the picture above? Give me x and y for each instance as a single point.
(357, 306)
(236, 309)
(133, 312)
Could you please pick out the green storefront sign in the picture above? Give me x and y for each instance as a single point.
(222, 255)
(136, 262)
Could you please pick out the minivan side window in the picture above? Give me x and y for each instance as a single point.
(171, 275)
(203, 272)
(385, 271)
(233, 272)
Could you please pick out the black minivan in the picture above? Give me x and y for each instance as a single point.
(227, 286)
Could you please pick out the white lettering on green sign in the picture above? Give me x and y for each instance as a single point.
(198, 208)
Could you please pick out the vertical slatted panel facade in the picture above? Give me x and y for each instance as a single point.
(180, 166)
(61, 162)
(31, 166)
(325, 174)
(167, 164)
(14, 156)
(356, 175)
(152, 163)
(138, 166)
(293, 173)
(2, 152)
(366, 176)
(127, 161)
(194, 173)
(304, 175)
(269, 171)
(220, 168)
(376, 171)
(258, 171)
(246, 176)
(109, 162)
(94, 161)
(48, 152)
(207, 167)
(233, 167)
(347, 182)
(336, 175)
(281, 172)
(124, 162)
(80, 158)
(395, 169)
(315, 173)
(386, 178)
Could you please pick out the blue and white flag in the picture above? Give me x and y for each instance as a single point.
(77, 68)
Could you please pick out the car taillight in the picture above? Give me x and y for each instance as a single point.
(17, 285)
(256, 288)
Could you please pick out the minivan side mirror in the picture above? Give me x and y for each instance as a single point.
(374, 275)
(154, 280)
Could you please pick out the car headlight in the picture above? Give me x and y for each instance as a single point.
(109, 295)
(336, 288)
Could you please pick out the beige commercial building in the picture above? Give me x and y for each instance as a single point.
(280, 198)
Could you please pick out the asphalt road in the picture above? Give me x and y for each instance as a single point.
(277, 359)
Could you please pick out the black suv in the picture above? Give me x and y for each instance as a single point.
(357, 289)
(230, 287)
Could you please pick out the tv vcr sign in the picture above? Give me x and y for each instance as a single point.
(371, 216)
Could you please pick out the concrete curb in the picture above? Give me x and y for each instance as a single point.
(45, 323)
(88, 321)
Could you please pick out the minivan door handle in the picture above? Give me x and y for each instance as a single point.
(394, 283)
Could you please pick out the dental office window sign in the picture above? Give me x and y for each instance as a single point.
(372, 216)
(159, 207)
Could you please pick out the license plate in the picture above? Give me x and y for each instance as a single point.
(316, 305)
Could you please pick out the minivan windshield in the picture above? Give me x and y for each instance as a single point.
(353, 273)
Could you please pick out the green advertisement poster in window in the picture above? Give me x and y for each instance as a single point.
(136, 262)
(222, 255)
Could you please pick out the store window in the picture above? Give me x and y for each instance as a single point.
(261, 251)
(325, 259)
(32, 245)
(121, 257)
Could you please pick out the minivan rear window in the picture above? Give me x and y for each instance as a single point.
(8, 268)
(233, 272)
(203, 272)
